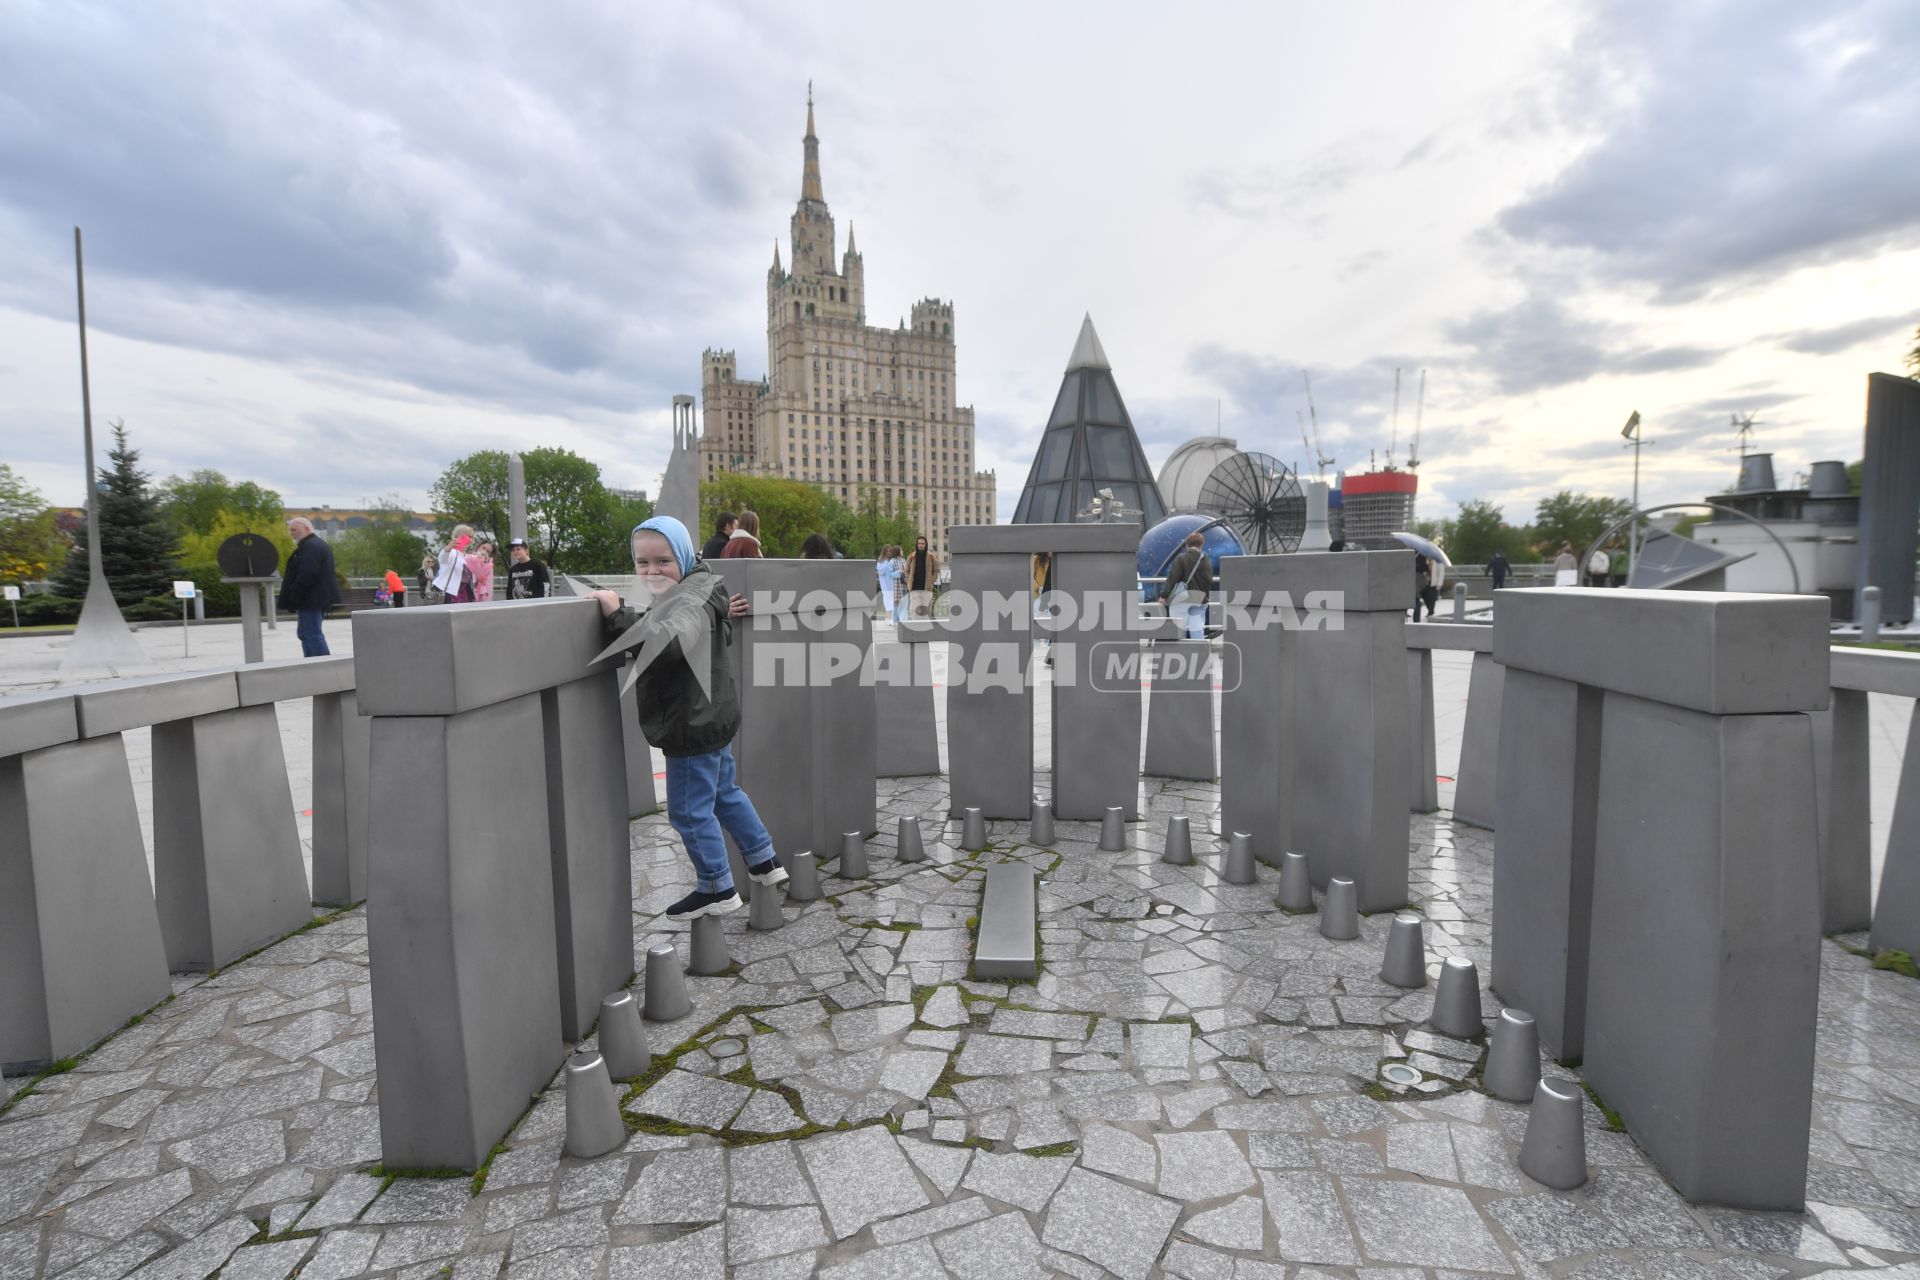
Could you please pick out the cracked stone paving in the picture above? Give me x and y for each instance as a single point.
(1191, 1088)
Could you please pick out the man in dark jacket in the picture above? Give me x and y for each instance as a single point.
(1498, 568)
(307, 585)
(723, 526)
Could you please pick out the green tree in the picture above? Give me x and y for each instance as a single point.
(1913, 356)
(1576, 519)
(1854, 471)
(193, 504)
(30, 542)
(789, 510)
(876, 522)
(384, 542)
(568, 507)
(198, 551)
(610, 548)
(137, 541)
(1473, 534)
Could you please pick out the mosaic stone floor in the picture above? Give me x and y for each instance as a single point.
(1184, 1092)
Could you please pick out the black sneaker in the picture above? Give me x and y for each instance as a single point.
(768, 872)
(697, 904)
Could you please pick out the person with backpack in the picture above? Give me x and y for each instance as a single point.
(1599, 565)
(1189, 581)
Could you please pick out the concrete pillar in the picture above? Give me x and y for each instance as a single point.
(80, 944)
(989, 718)
(1475, 789)
(1844, 792)
(1256, 713)
(907, 736)
(1096, 672)
(1425, 755)
(226, 853)
(1896, 913)
(642, 797)
(1180, 720)
(340, 748)
(587, 830)
(1353, 722)
(1702, 957)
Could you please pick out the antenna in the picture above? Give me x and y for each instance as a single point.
(1321, 458)
(1743, 428)
(1419, 410)
(1393, 440)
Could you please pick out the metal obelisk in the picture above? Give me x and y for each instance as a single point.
(103, 644)
(516, 497)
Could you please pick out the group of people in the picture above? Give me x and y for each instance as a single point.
(906, 579)
(463, 571)
(1606, 567)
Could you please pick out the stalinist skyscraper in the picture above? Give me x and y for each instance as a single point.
(844, 403)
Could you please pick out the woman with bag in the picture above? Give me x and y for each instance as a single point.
(455, 579)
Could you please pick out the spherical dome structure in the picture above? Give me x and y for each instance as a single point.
(1188, 467)
(1161, 543)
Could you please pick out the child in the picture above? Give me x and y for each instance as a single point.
(693, 726)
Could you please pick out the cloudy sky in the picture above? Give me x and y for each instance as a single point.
(333, 246)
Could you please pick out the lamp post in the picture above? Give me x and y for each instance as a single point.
(1632, 432)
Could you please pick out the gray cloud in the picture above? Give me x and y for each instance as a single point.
(1746, 139)
(1896, 331)
(1538, 343)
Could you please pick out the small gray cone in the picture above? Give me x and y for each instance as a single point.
(1179, 850)
(910, 846)
(1406, 963)
(973, 830)
(1296, 884)
(1456, 1002)
(1237, 866)
(1554, 1151)
(1042, 822)
(763, 913)
(803, 877)
(1113, 829)
(709, 948)
(666, 985)
(1340, 913)
(1513, 1060)
(623, 1040)
(594, 1126)
(853, 856)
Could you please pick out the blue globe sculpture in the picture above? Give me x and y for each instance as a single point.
(1161, 543)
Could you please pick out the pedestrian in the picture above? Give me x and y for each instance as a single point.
(1498, 568)
(396, 590)
(692, 722)
(744, 542)
(481, 562)
(307, 586)
(1189, 580)
(816, 547)
(723, 527)
(1598, 567)
(1422, 585)
(897, 573)
(527, 578)
(1617, 567)
(1566, 569)
(453, 579)
(424, 576)
(923, 571)
(883, 575)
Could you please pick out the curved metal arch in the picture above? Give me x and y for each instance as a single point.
(1622, 523)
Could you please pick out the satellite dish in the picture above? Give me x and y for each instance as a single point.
(1261, 501)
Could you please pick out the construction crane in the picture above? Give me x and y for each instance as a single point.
(1321, 459)
(1419, 409)
(1393, 437)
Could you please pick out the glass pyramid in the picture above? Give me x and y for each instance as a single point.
(1089, 445)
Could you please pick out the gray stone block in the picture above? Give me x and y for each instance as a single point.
(1475, 788)
(293, 678)
(445, 659)
(1876, 671)
(460, 924)
(1550, 759)
(989, 726)
(80, 946)
(1005, 946)
(587, 830)
(642, 797)
(1896, 912)
(1095, 692)
(115, 705)
(1342, 581)
(1180, 721)
(30, 721)
(1424, 756)
(1842, 787)
(226, 853)
(1704, 967)
(1026, 539)
(1728, 654)
(1257, 694)
(907, 738)
(342, 747)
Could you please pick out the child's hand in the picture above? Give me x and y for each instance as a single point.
(737, 607)
(609, 603)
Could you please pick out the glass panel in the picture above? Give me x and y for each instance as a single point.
(1069, 402)
(1055, 450)
(1103, 399)
(1040, 510)
(1109, 453)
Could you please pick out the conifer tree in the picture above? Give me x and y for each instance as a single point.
(136, 541)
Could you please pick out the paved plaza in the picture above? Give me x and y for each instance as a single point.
(1192, 1088)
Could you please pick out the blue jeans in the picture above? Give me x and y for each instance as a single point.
(702, 798)
(313, 641)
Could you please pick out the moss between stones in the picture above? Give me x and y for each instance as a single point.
(1896, 962)
(1054, 1149)
(1613, 1117)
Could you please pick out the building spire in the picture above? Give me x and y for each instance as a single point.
(810, 175)
(776, 255)
(851, 251)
